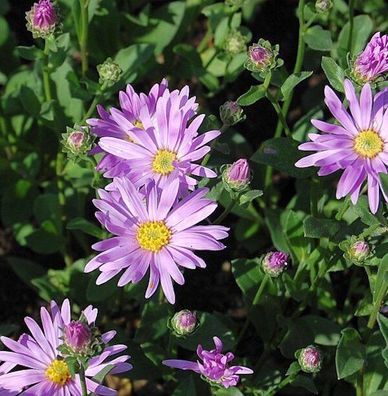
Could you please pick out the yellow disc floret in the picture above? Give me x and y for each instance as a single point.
(368, 144)
(58, 372)
(153, 235)
(138, 124)
(163, 162)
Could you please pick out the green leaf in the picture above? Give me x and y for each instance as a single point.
(350, 353)
(384, 182)
(248, 276)
(25, 269)
(383, 324)
(320, 228)
(334, 73)
(29, 53)
(44, 242)
(282, 153)
(229, 392)
(4, 31)
(272, 218)
(292, 81)
(318, 39)
(249, 196)
(97, 293)
(46, 207)
(185, 387)
(255, 93)
(81, 224)
(306, 383)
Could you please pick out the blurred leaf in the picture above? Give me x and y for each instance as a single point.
(306, 383)
(4, 31)
(229, 392)
(255, 93)
(81, 224)
(248, 276)
(25, 269)
(318, 39)
(350, 354)
(249, 196)
(44, 242)
(30, 53)
(98, 293)
(320, 227)
(383, 324)
(46, 207)
(384, 182)
(334, 73)
(292, 81)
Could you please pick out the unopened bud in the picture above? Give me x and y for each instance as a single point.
(42, 19)
(235, 43)
(109, 72)
(77, 335)
(262, 57)
(231, 113)
(77, 141)
(323, 6)
(274, 263)
(358, 251)
(237, 176)
(184, 322)
(310, 359)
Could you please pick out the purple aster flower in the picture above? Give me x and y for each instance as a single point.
(213, 365)
(153, 231)
(359, 145)
(373, 61)
(157, 140)
(274, 263)
(41, 368)
(42, 19)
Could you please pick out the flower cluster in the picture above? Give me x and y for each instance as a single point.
(44, 370)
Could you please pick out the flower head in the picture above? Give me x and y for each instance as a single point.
(151, 137)
(310, 359)
(235, 42)
(323, 5)
(184, 322)
(231, 113)
(76, 142)
(42, 19)
(359, 145)
(153, 231)
(237, 176)
(373, 61)
(262, 57)
(213, 365)
(42, 370)
(77, 335)
(274, 263)
(109, 72)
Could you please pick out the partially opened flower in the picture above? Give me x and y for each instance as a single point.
(42, 370)
(213, 365)
(164, 143)
(373, 61)
(153, 231)
(358, 145)
(42, 19)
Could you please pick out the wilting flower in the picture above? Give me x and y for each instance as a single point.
(359, 145)
(42, 19)
(213, 365)
(274, 263)
(310, 359)
(373, 61)
(184, 322)
(151, 137)
(262, 57)
(153, 231)
(43, 371)
(231, 113)
(109, 72)
(77, 335)
(237, 176)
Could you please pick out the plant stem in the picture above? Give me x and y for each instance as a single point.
(95, 102)
(82, 379)
(360, 384)
(46, 73)
(254, 302)
(297, 67)
(351, 24)
(83, 39)
(208, 155)
(280, 114)
(380, 294)
(226, 211)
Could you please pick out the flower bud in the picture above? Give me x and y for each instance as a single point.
(262, 57)
(77, 141)
(358, 251)
(310, 359)
(184, 322)
(42, 19)
(231, 113)
(323, 6)
(237, 176)
(109, 72)
(274, 263)
(235, 43)
(77, 335)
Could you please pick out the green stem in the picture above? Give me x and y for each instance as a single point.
(82, 379)
(46, 73)
(95, 102)
(226, 211)
(298, 64)
(83, 39)
(254, 302)
(360, 384)
(351, 24)
(377, 304)
(208, 155)
(280, 114)
(288, 380)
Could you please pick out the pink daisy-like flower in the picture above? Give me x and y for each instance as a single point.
(214, 365)
(156, 141)
(359, 145)
(153, 231)
(45, 372)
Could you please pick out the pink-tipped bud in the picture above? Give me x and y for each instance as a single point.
(77, 335)
(76, 139)
(274, 263)
(237, 176)
(310, 359)
(359, 251)
(184, 322)
(259, 55)
(42, 19)
(231, 113)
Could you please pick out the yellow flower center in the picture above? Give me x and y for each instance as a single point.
(138, 124)
(163, 162)
(153, 235)
(58, 372)
(368, 144)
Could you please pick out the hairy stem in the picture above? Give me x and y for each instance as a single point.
(84, 34)
(82, 379)
(46, 73)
